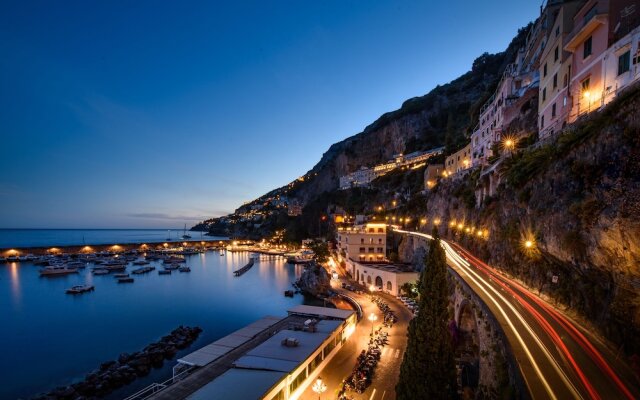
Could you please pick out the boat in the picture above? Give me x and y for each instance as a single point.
(76, 264)
(164, 272)
(57, 270)
(142, 270)
(288, 293)
(140, 262)
(78, 289)
(121, 275)
(100, 271)
(171, 267)
(184, 269)
(184, 235)
(125, 280)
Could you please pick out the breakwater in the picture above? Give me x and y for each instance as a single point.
(111, 247)
(245, 268)
(114, 374)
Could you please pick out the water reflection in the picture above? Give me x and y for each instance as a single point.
(15, 282)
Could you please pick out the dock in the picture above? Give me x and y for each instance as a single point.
(244, 269)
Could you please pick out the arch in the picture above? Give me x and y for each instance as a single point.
(378, 282)
(468, 346)
(357, 275)
(369, 279)
(389, 286)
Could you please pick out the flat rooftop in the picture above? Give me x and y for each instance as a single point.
(395, 268)
(320, 312)
(254, 354)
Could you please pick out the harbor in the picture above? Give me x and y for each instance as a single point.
(114, 318)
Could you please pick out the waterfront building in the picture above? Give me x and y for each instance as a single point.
(366, 242)
(284, 357)
(432, 173)
(458, 161)
(596, 25)
(384, 277)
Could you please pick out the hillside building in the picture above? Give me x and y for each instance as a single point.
(432, 174)
(458, 161)
(366, 242)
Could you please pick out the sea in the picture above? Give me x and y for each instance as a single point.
(18, 238)
(50, 338)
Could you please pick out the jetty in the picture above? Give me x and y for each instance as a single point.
(245, 268)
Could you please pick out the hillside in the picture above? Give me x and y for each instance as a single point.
(444, 116)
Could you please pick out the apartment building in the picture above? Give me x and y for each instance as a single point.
(366, 242)
(622, 64)
(555, 69)
(432, 173)
(594, 30)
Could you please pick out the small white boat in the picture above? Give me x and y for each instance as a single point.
(57, 270)
(100, 271)
(78, 289)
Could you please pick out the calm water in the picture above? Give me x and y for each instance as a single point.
(50, 338)
(69, 237)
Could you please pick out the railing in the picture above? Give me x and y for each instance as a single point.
(154, 388)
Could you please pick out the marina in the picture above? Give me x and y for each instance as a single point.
(126, 317)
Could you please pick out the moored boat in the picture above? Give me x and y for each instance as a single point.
(100, 271)
(78, 289)
(125, 280)
(184, 269)
(164, 272)
(57, 270)
(121, 275)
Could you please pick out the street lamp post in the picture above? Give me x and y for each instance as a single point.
(319, 387)
(372, 318)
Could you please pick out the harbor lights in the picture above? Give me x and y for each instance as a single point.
(319, 387)
(373, 318)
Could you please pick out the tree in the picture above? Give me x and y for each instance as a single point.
(322, 251)
(428, 369)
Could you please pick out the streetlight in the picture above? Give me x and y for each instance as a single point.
(319, 387)
(373, 319)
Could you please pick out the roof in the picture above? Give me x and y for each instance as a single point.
(238, 384)
(273, 348)
(396, 269)
(320, 312)
(217, 349)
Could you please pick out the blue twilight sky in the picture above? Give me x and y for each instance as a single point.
(128, 114)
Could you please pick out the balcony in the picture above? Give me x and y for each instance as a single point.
(591, 21)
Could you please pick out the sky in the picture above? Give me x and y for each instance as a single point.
(148, 114)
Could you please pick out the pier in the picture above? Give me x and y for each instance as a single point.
(245, 268)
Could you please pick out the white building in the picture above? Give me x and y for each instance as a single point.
(366, 242)
(621, 64)
(361, 177)
(383, 277)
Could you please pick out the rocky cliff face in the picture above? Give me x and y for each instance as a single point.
(314, 281)
(578, 199)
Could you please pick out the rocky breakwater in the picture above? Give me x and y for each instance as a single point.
(314, 281)
(114, 374)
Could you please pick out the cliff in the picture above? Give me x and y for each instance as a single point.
(577, 198)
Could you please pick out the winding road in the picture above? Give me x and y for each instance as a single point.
(558, 358)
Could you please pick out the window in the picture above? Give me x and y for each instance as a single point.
(542, 122)
(623, 62)
(586, 84)
(297, 381)
(556, 54)
(544, 70)
(557, 31)
(380, 250)
(361, 240)
(555, 81)
(544, 94)
(361, 249)
(380, 241)
(565, 81)
(553, 110)
(380, 230)
(370, 249)
(587, 50)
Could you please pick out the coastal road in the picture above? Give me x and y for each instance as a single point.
(557, 357)
(388, 369)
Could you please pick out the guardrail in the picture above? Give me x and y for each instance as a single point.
(155, 387)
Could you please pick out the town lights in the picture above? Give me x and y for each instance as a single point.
(319, 387)
(586, 94)
(436, 221)
(528, 244)
(460, 226)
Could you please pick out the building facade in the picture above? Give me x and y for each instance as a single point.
(458, 161)
(432, 173)
(367, 242)
(383, 277)
(622, 64)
